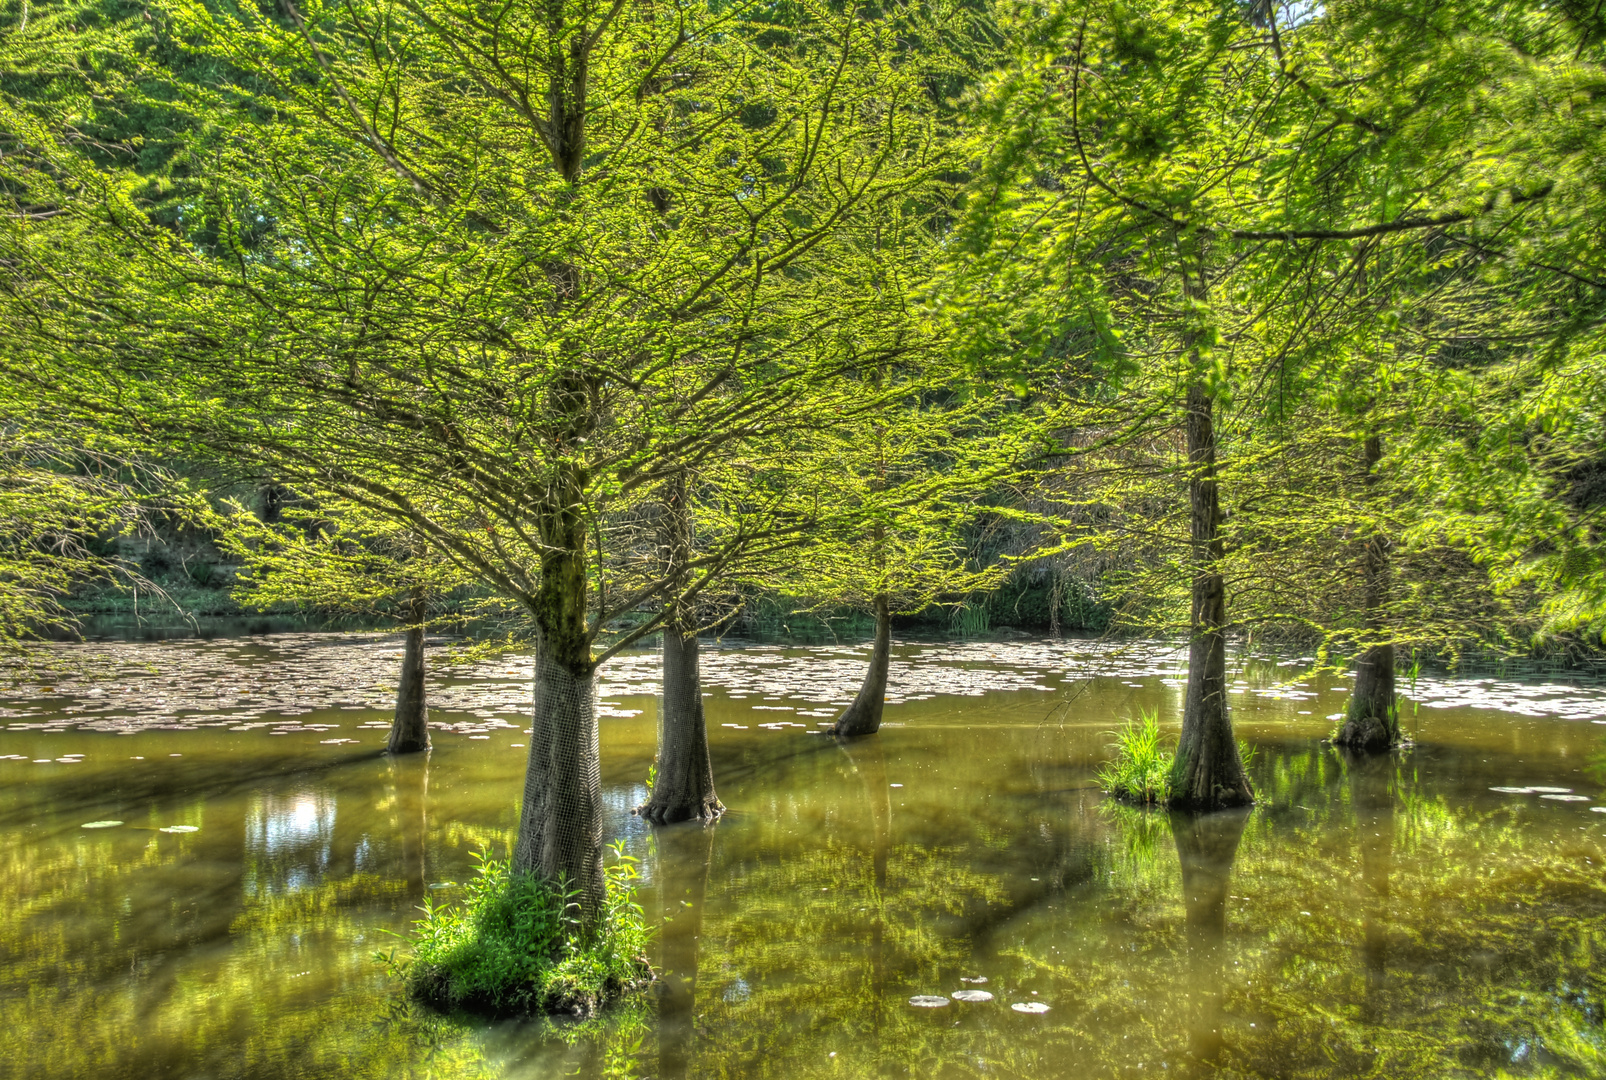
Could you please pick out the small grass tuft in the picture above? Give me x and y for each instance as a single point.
(513, 946)
(1141, 771)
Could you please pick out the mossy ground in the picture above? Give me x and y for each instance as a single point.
(513, 947)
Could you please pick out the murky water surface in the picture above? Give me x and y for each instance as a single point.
(1438, 913)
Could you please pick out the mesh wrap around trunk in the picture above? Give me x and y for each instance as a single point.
(560, 827)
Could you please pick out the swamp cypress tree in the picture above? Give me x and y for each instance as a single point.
(432, 273)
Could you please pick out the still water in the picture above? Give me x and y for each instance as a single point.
(1397, 917)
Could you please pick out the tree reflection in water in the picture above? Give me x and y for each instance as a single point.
(683, 853)
(1207, 845)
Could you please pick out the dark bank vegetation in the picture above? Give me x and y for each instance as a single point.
(628, 320)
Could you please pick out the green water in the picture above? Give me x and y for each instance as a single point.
(1387, 918)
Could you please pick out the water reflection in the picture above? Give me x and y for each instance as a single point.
(288, 840)
(1371, 789)
(1383, 916)
(1207, 845)
(682, 858)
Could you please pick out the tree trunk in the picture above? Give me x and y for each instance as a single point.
(683, 787)
(1207, 773)
(409, 730)
(560, 824)
(1207, 846)
(683, 860)
(863, 717)
(1372, 721)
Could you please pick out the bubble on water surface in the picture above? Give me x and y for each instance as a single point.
(1029, 1007)
(100, 824)
(928, 1001)
(972, 995)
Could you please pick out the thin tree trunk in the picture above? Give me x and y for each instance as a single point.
(1372, 721)
(1208, 772)
(1207, 846)
(863, 717)
(560, 823)
(409, 729)
(683, 787)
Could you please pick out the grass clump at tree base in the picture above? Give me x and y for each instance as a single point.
(513, 946)
(1141, 771)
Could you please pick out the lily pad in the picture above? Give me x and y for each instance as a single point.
(928, 1001)
(180, 828)
(100, 824)
(1567, 798)
(971, 995)
(1029, 1007)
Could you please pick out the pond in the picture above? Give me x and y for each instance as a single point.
(1437, 913)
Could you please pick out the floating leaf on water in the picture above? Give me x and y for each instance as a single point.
(180, 828)
(1514, 790)
(1552, 790)
(1029, 1007)
(1567, 798)
(928, 1001)
(972, 995)
(99, 824)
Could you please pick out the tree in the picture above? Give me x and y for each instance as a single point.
(493, 280)
(903, 484)
(338, 558)
(1177, 207)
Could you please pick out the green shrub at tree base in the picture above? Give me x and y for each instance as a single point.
(514, 946)
(1141, 771)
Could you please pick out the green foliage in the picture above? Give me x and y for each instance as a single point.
(969, 619)
(514, 945)
(65, 498)
(1141, 771)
